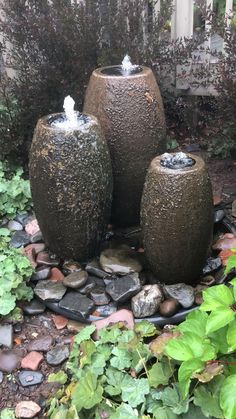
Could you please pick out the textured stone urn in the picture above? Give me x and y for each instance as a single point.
(130, 110)
(177, 220)
(71, 182)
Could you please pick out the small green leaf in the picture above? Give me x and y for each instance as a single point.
(124, 411)
(146, 329)
(59, 377)
(160, 373)
(228, 397)
(134, 391)
(4, 232)
(219, 318)
(195, 323)
(7, 414)
(216, 297)
(88, 392)
(85, 334)
(7, 304)
(122, 359)
(208, 402)
(185, 373)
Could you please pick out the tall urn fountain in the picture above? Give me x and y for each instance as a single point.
(127, 102)
(177, 217)
(71, 182)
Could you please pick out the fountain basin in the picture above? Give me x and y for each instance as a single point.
(71, 182)
(177, 220)
(130, 110)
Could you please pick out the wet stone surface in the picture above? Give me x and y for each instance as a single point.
(76, 279)
(50, 290)
(99, 296)
(20, 239)
(122, 289)
(34, 307)
(77, 303)
(211, 265)
(183, 293)
(94, 268)
(106, 310)
(57, 355)
(147, 301)
(30, 378)
(120, 261)
(70, 266)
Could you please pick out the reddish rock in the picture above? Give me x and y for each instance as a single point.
(32, 227)
(27, 409)
(44, 258)
(225, 254)
(123, 315)
(31, 255)
(59, 321)
(56, 274)
(228, 241)
(217, 199)
(32, 361)
(38, 247)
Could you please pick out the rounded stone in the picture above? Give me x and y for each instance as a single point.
(131, 114)
(76, 279)
(27, 409)
(147, 301)
(177, 220)
(71, 182)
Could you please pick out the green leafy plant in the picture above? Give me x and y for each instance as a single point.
(15, 271)
(188, 372)
(15, 192)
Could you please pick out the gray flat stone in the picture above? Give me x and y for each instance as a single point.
(99, 296)
(6, 335)
(122, 289)
(22, 217)
(19, 239)
(147, 301)
(57, 355)
(121, 261)
(77, 303)
(50, 290)
(34, 307)
(76, 279)
(30, 378)
(14, 225)
(41, 273)
(94, 268)
(211, 265)
(183, 293)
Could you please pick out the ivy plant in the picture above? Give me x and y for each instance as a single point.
(15, 271)
(187, 372)
(15, 192)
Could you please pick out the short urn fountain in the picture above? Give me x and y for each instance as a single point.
(71, 182)
(177, 217)
(127, 102)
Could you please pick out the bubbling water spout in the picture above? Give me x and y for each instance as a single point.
(127, 66)
(176, 161)
(68, 107)
(71, 119)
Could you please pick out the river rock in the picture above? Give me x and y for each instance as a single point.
(27, 409)
(30, 378)
(50, 290)
(91, 283)
(42, 273)
(57, 355)
(10, 360)
(211, 265)
(99, 296)
(218, 215)
(183, 293)
(19, 239)
(45, 258)
(169, 307)
(70, 266)
(6, 335)
(227, 241)
(106, 310)
(14, 226)
(76, 279)
(121, 261)
(122, 289)
(1, 377)
(94, 268)
(147, 301)
(34, 307)
(78, 304)
(41, 344)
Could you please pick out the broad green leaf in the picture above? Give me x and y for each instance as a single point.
(228, 397)
(194, 412)
(88, 392)
(122, 358)
(110, 335)
(231, 264)
(59, 377)
(195, 323)
(171, 397)
(179, 350)
(190, 346)
(158, 345)
(124, 411)
(216, 297)
(85, 334)
(160, 373)
(134, 391)
(219, 318)
(7, 304)
(146, 329)
(231, 335)
(114, 381)
(98, 362)
(185, 373)
(208, 402)
(219, 340)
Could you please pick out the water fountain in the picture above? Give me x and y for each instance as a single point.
(177, 217)
(126, 100)
(71, 182)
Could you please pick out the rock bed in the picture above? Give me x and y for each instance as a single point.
(117, 279)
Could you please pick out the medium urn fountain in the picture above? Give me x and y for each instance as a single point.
(127, 102)
(71, 182)
(177, 217)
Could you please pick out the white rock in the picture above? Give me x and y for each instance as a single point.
(27, 409)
